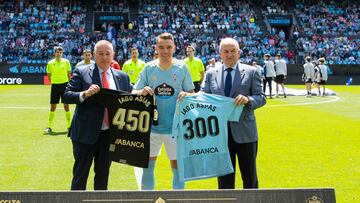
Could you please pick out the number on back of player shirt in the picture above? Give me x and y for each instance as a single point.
(201, 127)
(130, 119)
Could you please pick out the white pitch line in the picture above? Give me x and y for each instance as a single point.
(138, 176)
(335, 99)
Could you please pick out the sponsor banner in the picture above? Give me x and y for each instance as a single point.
(23, 68)
(110, 17)
(20, 79)
(279, 20)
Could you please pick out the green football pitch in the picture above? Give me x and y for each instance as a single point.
(303, 143)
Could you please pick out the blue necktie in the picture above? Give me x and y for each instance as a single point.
(228, 82)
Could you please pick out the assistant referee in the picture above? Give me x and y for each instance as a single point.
(58, 71)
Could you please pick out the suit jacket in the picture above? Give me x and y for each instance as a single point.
(88, 116)
(246, 82)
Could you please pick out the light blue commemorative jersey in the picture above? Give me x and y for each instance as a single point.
(166, 84)
(201, 127)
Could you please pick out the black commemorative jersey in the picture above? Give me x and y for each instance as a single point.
(130, 118)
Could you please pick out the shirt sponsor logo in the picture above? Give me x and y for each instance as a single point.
(164, 91)
(130, 143)
(209, 150)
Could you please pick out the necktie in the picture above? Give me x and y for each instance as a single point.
(105, 84)
(228, 82)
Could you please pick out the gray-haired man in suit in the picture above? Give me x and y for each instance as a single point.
(243, 83)
(89, 129)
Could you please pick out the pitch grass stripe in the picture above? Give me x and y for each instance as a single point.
(334, 99)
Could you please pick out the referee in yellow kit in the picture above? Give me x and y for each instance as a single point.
(133, 66)
(196, 67)
(58, 71)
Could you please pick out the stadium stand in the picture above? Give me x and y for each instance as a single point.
(29, 28)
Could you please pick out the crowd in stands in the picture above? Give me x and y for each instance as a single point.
(329, 29)
(200, 24)
(111, 6)
(328, 18)
(275, 6)
(31, 29)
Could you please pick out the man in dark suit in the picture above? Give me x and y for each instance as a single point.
(89, 129)
(243, 83)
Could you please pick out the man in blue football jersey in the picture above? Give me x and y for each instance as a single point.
(241, 82)
(165, 78)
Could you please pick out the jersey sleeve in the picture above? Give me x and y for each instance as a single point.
(202, 68)
(48, 68)
(126, 67)
(142, 81)
(230, 110)
(68, 66)
(175, 126)
(187, 84)
(236, 112)
(142, 65)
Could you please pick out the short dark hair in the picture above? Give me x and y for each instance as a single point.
(191, 47)
(57, 48)
(165, 36)
(322, 59)
(86, 51)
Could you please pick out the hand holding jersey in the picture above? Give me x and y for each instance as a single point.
(93, 89)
